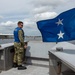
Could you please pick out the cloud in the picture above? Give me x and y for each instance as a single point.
(48, 2)
(1, 17)
(29, 23)
(30, 11)
(46, 15)
(8, 23)
(52, 6)
(42, 9)
(14, 6)
(29, 27)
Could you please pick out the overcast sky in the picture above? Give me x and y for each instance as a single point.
(30, 11)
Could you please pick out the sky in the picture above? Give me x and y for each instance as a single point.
(30, 11)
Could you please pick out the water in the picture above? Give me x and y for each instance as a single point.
(3, 41)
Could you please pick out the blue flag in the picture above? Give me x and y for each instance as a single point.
(61, 28)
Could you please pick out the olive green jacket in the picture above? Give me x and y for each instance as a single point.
(21, 37)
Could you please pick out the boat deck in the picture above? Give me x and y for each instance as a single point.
(31, 70)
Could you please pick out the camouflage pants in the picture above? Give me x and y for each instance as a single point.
(19, 53)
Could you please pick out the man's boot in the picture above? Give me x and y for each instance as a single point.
(20, 67)
(15, 65)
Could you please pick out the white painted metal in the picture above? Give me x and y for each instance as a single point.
(67, 55)
(38, 49)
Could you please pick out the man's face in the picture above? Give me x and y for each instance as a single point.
(21, 25)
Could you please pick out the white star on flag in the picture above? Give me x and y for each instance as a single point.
(59, 22)
(60, 35)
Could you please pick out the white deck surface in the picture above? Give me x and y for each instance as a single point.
(67, 55)
(31, 70)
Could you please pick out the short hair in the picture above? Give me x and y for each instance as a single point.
(19, 22)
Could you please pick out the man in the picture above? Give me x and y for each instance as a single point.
(19, 46)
